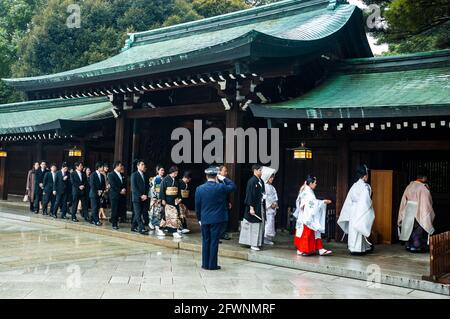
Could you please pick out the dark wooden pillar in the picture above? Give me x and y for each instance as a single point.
(343, 156)
(234, 119)
(119, 139)
(3, 179)
(135, 143)
(39, 152)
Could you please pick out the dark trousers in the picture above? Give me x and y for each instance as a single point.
(60, 203)
(122, 208)
(37, 198)
(84, 206)
(138, 214)
(419, 236)
(210, 244)
(31, 206)
(95, 205)
(48, 198)
(114, 210)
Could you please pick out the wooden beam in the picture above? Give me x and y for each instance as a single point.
(234, 119)
(400, 146)
(3, 179)
(342, 175)
(119, 139)
(178, 110)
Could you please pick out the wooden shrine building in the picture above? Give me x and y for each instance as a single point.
(304, 66)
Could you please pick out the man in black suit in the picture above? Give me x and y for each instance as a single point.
(117, 193)
(79, 181)
(39, 185)
(139, 197)
(97, 186)
(49, 193)
(62, 189)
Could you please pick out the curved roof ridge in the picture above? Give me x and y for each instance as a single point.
(224, 21)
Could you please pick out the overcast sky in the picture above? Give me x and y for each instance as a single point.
(376, 49)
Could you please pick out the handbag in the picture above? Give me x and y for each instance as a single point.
(26, 198)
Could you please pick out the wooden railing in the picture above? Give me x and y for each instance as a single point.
(439, 258)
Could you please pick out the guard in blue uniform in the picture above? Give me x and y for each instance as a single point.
(211, 200)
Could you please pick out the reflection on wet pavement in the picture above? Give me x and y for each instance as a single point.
(38, 261)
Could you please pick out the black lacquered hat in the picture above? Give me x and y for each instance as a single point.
(212, 171)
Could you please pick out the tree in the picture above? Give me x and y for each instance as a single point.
(413, 26)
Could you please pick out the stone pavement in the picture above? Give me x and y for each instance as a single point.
(396, 266)
(43, 261)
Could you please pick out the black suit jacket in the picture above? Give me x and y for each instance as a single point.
(96, 184)
(116, 185)
(61, 186)
(76, 183)
(139, 187)
(48, 182)
(39, 177)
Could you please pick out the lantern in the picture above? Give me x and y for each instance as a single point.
(3, 153)
(75, 152)
(302, 153)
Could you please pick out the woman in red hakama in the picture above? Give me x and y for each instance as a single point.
(311, 214)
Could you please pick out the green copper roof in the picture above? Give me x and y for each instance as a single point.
(295, 26)
(413, 85)
(33, 116)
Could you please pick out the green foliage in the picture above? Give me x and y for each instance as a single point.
(414, 26)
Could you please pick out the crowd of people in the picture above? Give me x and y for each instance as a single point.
(159, 205)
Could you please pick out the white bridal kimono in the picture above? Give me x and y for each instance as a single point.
(271, 198)
(310, 212)
(357, 217)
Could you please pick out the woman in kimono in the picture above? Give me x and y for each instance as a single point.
(156, 209)
(268, 175)
(30, 185)
(357, 214)
(252, 226)
(185, 196)
(310, 213)
(170, 196)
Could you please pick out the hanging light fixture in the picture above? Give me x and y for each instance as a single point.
(302, 152)
(74, 152)
(3, 153)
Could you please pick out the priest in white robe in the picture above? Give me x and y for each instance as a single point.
(416, 215)
(268, 175)
(311, 216)
(357, 214)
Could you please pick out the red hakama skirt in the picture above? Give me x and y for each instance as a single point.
(308, 243)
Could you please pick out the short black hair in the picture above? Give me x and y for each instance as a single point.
(99, 165)
(64, 165)
(53, 164)
(158, 167)
(138, 162)
(173, 169)
(310, 179)
(77, 164)
(40, 162)
(256, 167)
(117, 164)
(422, 172)
(187, 174)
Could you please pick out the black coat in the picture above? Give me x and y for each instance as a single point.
(253, 197)
(49, 186)
(96, 184)
(116, 185)
(62, 186)
(76, 183)
(39, 177)
(139, 187)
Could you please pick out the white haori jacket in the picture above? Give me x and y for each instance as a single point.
(357, 214)
(310, 211)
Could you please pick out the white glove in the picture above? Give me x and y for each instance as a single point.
(220, 177)
(200, 223)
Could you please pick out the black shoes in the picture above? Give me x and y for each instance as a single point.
(75, 220)
(135, 230)
(226, 236)
(115, 227)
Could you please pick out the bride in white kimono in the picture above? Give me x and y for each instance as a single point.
(268, 175)
(357, 214)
